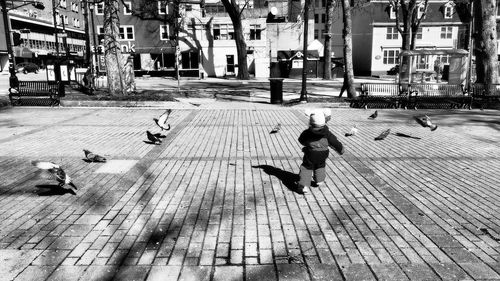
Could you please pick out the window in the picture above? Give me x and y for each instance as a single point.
(448, 11)
(419, 33)
(421, 11)
(446, 32)
(162, 7)
(127, 32)
(62, 3)
(391, 57)
(323, 3)
(445, 59)
(392, 12)
(223, 31)
(66, 20)
(323, 18)
(74, 7)
(316, 18)
(316, 33)
(422, 62)
(255, 32)
(58, 18)
(99, 9)
(127, 8)
(164, 32)
(392, 33)
(100, 34)
(189, 8)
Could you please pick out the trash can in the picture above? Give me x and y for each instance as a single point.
(276, 90)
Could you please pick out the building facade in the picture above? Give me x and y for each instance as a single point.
(33, 32)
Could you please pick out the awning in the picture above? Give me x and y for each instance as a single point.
(430, 52)
(23, 52)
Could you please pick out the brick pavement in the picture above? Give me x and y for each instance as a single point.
(215, 200)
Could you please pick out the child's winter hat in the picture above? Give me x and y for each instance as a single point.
(317, 120)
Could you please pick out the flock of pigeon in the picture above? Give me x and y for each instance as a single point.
(65, 181)
(424, 121)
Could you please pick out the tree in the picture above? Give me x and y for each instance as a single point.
(348, 64)
(235, 13)
(485, 12)
(113, 56)
(409, 15)
(327, 66)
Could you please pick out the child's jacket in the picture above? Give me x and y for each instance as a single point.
(316, 141)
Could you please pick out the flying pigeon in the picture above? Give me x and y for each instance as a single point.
(92, 157)
(162, 120)
(383, 135)
(276, 129)
(57, 172)
(152, 138)
(374, 115)
(352, 132)
(425, 121)
(406, 136)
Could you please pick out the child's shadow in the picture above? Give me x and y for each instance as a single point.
(289, 179)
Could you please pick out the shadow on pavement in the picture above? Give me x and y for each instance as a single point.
(52, 190)
(287, 178)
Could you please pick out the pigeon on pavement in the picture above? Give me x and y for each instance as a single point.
(276, 129)
(374, 115)
(162, 120)
(352, 132)
(62, 178)
(425, 121)
(92, 157)
(383, 135)
(152, 138)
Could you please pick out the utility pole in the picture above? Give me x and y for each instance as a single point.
(303, 92)
(13, 81)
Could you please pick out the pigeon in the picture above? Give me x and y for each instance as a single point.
(58, 173)
(276, 129)
(383, 135)
(162, 120)
(152, 138)
(354, 131)
(406, 136)
(93, 157)
(374, 115)
(159, 135)
(425, 121)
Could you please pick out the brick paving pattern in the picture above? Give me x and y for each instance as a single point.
(215, 200)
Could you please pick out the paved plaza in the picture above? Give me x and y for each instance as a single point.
(216, 200)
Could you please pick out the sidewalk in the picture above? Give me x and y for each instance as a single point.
(214, 200)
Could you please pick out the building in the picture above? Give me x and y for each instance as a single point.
(205, 39)
(33, 32)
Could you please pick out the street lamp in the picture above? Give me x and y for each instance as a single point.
(13, 81)
(96, 69)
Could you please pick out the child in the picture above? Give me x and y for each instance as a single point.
(316, 140)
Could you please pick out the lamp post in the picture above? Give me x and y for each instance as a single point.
(57, 69)
(87, 35)
(96, 69)
(13, 80)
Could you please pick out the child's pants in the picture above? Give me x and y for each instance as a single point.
(307, 172)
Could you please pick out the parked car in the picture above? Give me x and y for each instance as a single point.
(26, 67)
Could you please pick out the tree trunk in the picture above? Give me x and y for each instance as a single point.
(241, 48)
(234, 12)
(327, 66)
(486, 43)
(347, 35)
(114, 64)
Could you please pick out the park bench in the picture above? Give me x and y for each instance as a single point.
(382, 95)
(36, 93)
(436, 95)
(483, 97)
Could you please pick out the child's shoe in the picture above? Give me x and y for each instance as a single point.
(318, 184)
(300, 188)
(305, 189)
